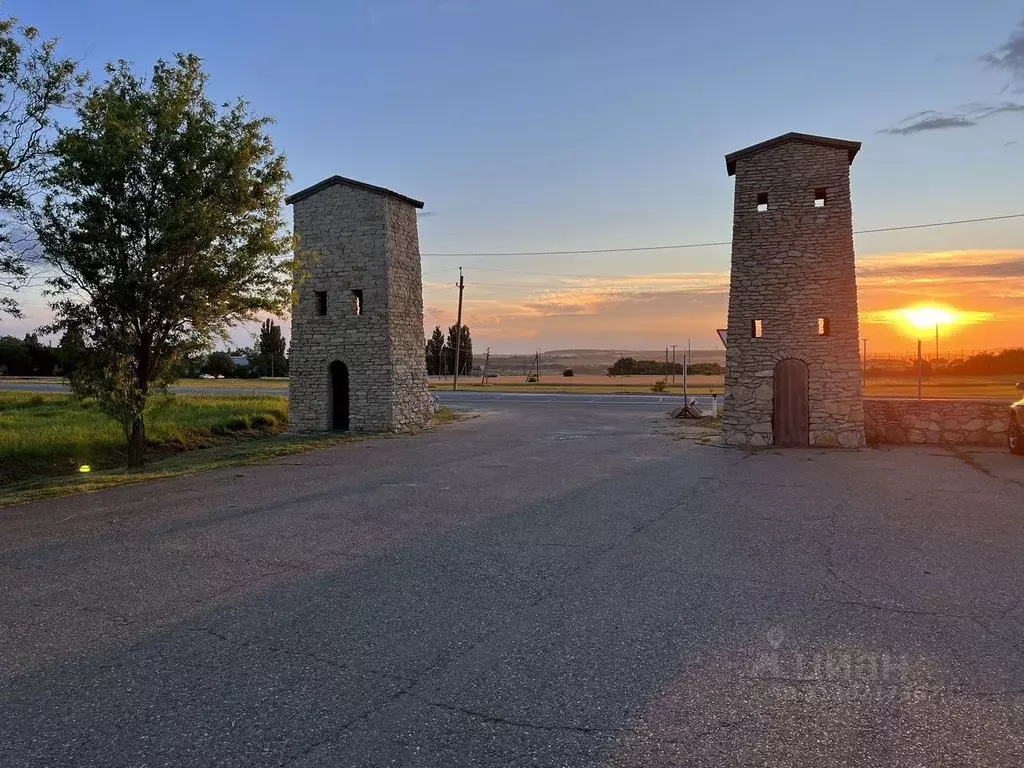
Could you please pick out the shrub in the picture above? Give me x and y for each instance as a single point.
(531, 379)
(568, 373)
(705, 369)
(658, 386)
(239, 423)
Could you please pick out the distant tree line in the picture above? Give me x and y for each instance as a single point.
(28, 357)
(440, 352)
(628, 366)
(1009, 362)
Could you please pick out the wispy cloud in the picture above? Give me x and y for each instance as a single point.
(947, 267)
(932, 122)
(893, 316)
(605, 312)
(967, 117)
(1008, 58)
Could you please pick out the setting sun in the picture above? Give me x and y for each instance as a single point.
(923, 318)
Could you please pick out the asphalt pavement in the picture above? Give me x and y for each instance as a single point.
(537, 586)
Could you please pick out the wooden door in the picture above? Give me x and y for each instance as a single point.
(338, 392)
(790, 412)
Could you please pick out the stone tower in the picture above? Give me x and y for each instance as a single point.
(793, 361)
(357, 359)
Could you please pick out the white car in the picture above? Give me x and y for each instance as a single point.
(1015, 435)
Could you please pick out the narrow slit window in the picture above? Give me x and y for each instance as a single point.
(357, 301)
(756, 329)
(321, 302)
(820, 195)
(762, 202)
(824, 327)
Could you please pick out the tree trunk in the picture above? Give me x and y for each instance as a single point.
(137, 444)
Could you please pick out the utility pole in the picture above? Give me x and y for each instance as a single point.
(920, 369)
(487, 359)
(673, 363)
(686, 372)
(666, 365)
(458, 334)
(936, 342)
(537, 362)
(864, 367)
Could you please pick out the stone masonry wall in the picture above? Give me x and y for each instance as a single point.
(791, 265)
(347, 234)
(414, 408)
(945, 422)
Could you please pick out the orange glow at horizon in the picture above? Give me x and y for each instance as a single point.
(926, 318)
(918, 318)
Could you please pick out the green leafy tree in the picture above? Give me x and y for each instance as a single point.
(465, 351)
(71, 351)
(14, 357)
(43, 359)
(624, 366)
(435, 350)
(270, 358)
(163, 225)
(219, 364)
(35, 83)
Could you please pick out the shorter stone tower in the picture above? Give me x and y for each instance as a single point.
(793, 360)
(357, 359)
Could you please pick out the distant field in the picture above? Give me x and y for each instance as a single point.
(590, 384)
(982, 388)
(993, 387)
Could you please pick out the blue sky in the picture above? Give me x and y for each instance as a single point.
(564, 124)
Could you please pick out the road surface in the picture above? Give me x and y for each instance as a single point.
(538, 586)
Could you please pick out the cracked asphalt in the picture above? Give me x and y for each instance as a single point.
(533, 587)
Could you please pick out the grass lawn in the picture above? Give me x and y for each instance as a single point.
(957, 387)
(268, 383)
(45, 439)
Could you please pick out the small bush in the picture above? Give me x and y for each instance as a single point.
(568, 373)
(239, 423)
(658, 386)
(531, 379)
(265, 421)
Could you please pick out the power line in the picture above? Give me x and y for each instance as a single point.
(939, 224)
(634, 249)
(546, 274)
(591, 250)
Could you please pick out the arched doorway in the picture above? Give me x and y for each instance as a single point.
(337, 405)
(790, 409)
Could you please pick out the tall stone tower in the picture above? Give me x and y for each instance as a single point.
(793, 361)
(357, 359)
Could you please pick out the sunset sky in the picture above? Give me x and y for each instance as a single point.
(545, 125)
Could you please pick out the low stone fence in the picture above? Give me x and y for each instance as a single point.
(945, 422)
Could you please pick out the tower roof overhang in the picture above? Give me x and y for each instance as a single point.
(852, 147)
(330, 182)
